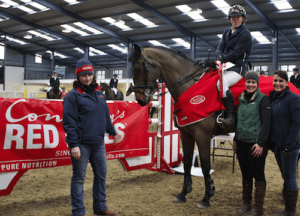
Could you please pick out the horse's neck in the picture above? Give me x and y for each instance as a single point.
(175, 70)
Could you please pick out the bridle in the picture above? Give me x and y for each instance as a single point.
(149, 90)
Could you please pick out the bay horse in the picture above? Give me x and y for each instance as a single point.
(179, 73)
(110, 94)
(55, 92)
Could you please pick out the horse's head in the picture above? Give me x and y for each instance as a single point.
(103, 86)
(145, 73)
(130, 89)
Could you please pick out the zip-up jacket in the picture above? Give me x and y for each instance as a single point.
(236, 48)
(86, 117)
(254, 119)
(285, 127)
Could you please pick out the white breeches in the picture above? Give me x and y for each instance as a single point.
(52, 88)
(230, 78)
(115, 91)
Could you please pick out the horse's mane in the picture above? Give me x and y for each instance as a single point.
(133, 56)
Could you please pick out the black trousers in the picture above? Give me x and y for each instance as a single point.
(251, 167)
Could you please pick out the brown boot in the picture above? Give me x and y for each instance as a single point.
(260, 191)
(291, 197)
(247, 197)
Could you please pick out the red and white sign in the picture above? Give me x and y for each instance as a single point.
(32, 136)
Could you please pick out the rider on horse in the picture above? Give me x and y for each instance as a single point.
(53, 81)
(235, 47)
(114, 84)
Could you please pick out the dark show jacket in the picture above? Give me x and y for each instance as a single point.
(54, 81)
(295, 81)
(285, 126)
(236, 48)
(113, 83)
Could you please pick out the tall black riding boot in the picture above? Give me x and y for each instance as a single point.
(229, 120)
(291, 197)
(247, 197)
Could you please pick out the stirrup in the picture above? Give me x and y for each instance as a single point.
(218, 121)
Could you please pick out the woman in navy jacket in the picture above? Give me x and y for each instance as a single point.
(285, 138)
(85, 120)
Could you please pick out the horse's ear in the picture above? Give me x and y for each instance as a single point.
(137, 49)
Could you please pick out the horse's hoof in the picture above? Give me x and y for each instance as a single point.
(179, 200)
(203, 205)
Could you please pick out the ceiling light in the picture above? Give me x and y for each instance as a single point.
(66, 30)
(39, 6)
(142, 20)
(26, 9)
(28, 36)
(196, 10)
(72, 1)
(71, 28)
(157, 43)
(57, 54)
(282, 5)
(194, 14)
(123, 50)
(79, 49)
(86, 27)
(257, 35)
(119, 24)
(9, 2)
(5, 5)
(92, 49)
(41, 35)
(182, 42)
(222, 5)
(14, 40)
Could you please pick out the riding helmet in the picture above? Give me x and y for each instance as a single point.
(237, 10)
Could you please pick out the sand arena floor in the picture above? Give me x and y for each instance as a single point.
(143, 193)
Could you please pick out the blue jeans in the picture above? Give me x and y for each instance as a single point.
(97, 156)
(288, 166)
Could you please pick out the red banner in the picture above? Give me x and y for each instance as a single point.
(32, 136)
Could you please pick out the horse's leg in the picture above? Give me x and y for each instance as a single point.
(203, 143)
(188, 143)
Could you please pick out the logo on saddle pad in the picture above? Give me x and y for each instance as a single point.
(197, 99)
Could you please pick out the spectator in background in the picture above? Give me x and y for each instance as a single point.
(114, 83)
(295, 79)
(263, 73)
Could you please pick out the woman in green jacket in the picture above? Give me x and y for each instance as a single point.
(252, 131)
